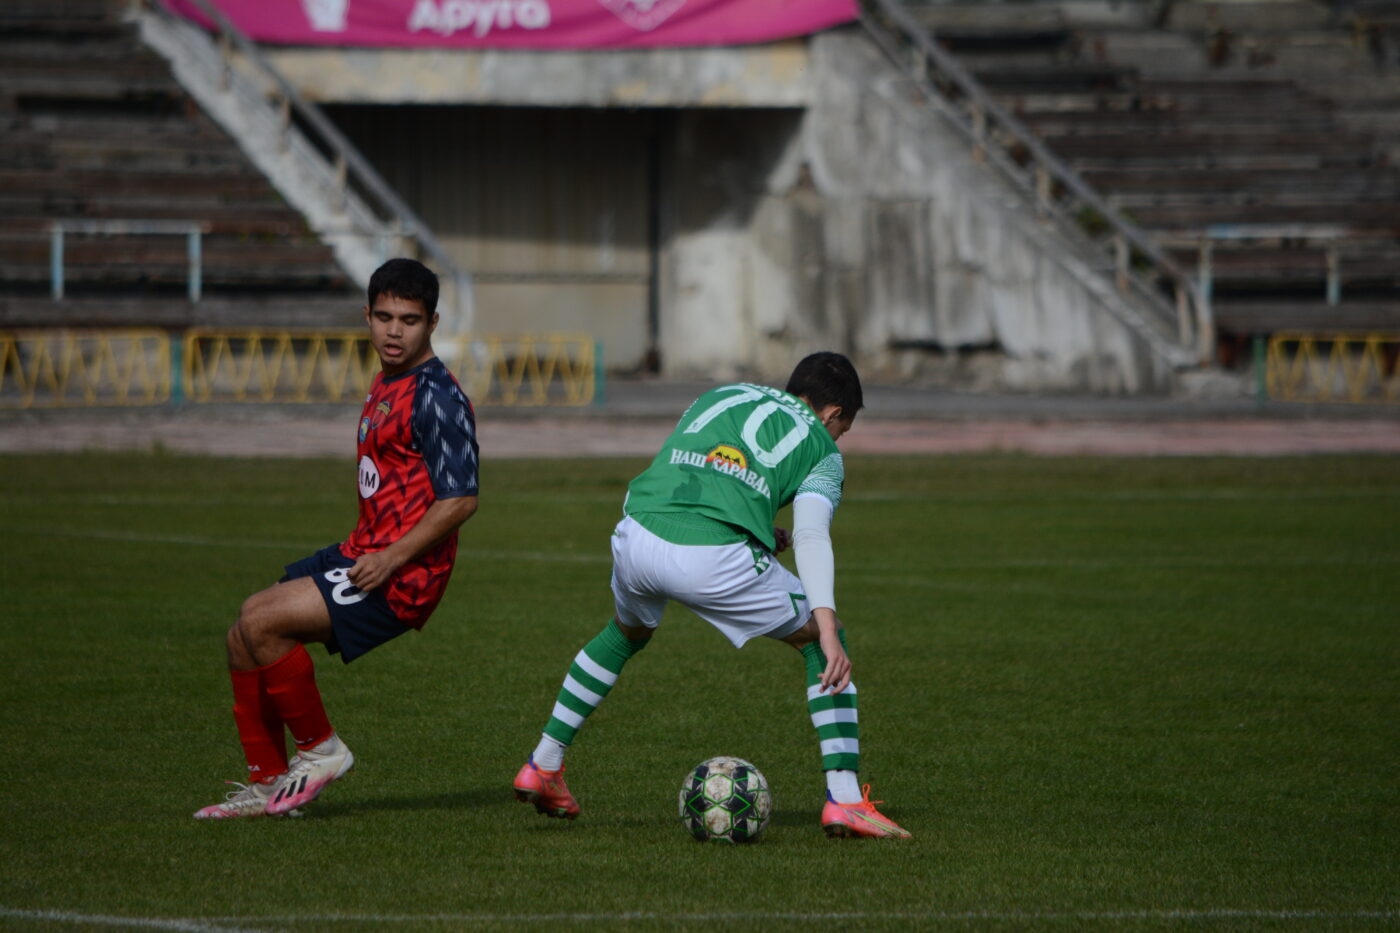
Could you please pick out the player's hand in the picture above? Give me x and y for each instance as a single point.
(372, 570)
(837, 675)
(782, 540)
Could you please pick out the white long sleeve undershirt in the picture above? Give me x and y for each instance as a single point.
(811, 545)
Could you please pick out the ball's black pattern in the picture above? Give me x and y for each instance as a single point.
(725, 799)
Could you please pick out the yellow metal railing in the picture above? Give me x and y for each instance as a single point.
(49, 369)
(334, 366)
(63, 368)
(1333, 368)
(530, 369)
(276, 366)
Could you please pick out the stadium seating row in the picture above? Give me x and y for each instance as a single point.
(96, 128)
(1190, 140)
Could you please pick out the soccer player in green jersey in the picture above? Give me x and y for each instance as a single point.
(698, 529)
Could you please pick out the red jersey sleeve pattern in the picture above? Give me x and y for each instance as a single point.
(417, 444)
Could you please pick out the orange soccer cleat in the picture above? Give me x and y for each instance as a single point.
(546, 790)
(847, 820)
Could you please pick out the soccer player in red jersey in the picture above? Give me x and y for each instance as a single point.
(418, 463)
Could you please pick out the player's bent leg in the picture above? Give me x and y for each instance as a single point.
(591, 677)
(273, 621)
(261, 731)
(546, 790)
(273, 625)
(847, 812)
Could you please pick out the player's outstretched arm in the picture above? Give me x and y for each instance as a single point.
(372, 570)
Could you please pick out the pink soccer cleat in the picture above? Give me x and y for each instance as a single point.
(308, 775)
(247, 800)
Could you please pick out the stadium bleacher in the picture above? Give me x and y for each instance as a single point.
(1222, 126)
(1260, 138)
(97, 129)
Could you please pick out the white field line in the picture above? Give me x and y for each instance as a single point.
(242, 924)
(1166, 496)
(870, 575)
(1281, 495)
(111, 920)
(940, 569)
(294, 548)
(262, 501)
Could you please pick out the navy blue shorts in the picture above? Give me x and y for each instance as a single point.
(359, 621)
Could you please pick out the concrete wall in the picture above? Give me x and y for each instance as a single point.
(868, 227)
(807, 200)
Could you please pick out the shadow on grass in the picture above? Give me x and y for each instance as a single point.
(467, 799)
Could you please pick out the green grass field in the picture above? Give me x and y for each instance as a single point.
(1103, 694)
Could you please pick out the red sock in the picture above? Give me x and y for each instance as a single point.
(290, 682)
(259, 727)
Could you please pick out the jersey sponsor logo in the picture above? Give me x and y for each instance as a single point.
(478, 16)
(722, 466)
(730, 455)
(369, 478)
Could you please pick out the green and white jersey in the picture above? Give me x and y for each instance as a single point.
(738, 454)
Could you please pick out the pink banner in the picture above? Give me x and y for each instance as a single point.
(526, 24)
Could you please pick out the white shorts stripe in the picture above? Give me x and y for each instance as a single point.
(567, 716)
(816, 690)
(841, 747)
(594, 669)
(829, 717)
(582, 692)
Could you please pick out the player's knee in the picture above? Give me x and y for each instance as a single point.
(257, 618)
(247, 615)
(804, 636)
(240, 655)
(639, 635)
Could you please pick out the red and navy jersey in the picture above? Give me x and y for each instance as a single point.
(417, 445)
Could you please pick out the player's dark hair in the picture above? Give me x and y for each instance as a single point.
(407, 279)
(828, 379)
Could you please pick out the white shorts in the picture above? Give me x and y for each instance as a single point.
(740, 589)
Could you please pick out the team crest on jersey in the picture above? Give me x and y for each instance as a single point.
(729, 456)
(370, 422)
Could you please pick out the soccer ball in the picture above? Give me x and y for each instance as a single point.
(725, 799)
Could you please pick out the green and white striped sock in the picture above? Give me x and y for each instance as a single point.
(592, 674)
(834, 715)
